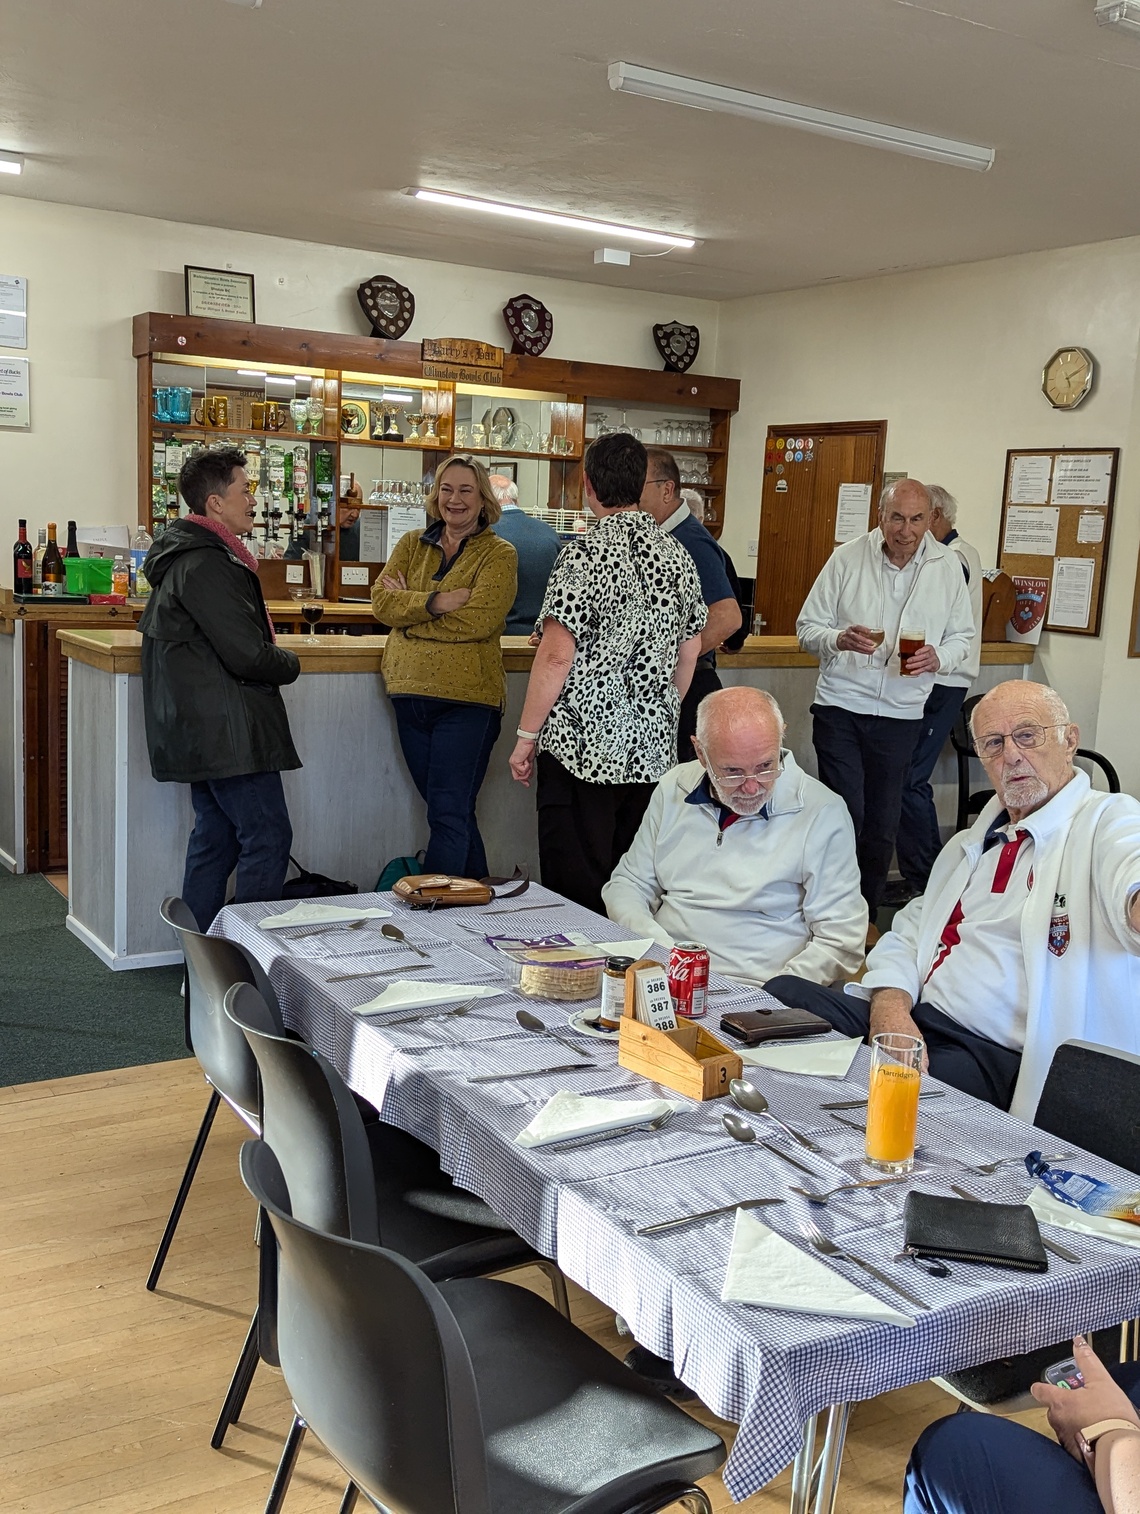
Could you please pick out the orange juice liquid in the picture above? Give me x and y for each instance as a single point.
(892, 1112)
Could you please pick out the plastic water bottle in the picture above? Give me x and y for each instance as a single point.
(140, 546)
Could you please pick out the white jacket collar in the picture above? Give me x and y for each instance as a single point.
(1042, 824)
(786, 798)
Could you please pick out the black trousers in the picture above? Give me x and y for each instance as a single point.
(919, 839)
(584, 829)
(705, 681)
(865, 759)
(957, 1056)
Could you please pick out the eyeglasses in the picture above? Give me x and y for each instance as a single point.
(1026, 737)
(737, 780)
(658, 480)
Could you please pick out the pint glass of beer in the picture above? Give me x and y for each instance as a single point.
(892, 1102)
(910, 641)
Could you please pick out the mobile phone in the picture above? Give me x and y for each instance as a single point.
(1064, 1374)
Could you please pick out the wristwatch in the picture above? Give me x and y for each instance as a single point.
(1092, 1433)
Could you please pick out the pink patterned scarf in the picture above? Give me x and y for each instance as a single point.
(236, 546)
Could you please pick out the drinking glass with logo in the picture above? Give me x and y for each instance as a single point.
(892, 1102)
(911, 640)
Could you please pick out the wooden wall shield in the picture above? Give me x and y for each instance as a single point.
(677, 344)
(530, 323)
(388, 305)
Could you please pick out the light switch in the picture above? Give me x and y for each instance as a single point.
(294, 572)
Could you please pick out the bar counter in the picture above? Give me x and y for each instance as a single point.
(352, 805)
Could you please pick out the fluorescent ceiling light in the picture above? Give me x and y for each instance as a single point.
(678, 90)
(11, 162)
(251, 373)
(1122, 13)
(551, 218)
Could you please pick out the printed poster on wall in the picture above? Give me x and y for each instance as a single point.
(852, 510)
(1071, 602)
(15, 405)
(1030, 531)
(1082, 479)
(13, 311)
(1029, 480)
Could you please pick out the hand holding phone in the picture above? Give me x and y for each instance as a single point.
(1064, 1374)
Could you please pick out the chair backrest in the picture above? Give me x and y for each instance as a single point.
(1091, 1098)
(312, 1124)
(212, 966)
(374, 1361)
(1111, 776)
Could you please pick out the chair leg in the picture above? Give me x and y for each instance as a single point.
(348, 1502)
(239, 1385)
(184, 1189)
(557, 1288)
(692, 1499)
(284, 1473)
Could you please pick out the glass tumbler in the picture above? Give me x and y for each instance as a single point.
(892, 1102)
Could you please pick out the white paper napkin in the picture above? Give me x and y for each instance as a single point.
(308, 913)
(820, 1059)
(634, 949)
(765, 1269)
(569, 1114)
(408, 995)
(1051, 1211)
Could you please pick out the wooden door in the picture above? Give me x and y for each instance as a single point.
(804, 466)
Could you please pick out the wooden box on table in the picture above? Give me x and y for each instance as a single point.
(690, 1059)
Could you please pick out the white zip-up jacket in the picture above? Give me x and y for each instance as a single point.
(852, 590)
(963, 677)
(770, 893)
(1081, 955)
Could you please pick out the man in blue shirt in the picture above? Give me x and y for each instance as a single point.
(661, 497)
(537, 546)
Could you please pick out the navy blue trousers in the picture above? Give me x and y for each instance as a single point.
(957, 1056)
(447, 746)
(982, 1464)
(239, 822)
(919, 840)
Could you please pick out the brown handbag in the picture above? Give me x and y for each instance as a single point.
(443, 890)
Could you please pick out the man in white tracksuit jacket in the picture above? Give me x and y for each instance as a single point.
(1029, 932)
(746, 853)
(867, 714)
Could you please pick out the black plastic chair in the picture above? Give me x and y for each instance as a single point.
(212, 966)
(470, 1397)
(971, 804)
(1091, 1098)
(372, 1183)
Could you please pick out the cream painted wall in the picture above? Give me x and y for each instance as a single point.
(91, 271)
(952, 359)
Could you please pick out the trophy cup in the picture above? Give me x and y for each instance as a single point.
(392, 432)
(416, 420)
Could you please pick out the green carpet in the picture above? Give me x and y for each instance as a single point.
(61, 1011)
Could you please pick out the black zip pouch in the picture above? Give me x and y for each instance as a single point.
(966, 1230)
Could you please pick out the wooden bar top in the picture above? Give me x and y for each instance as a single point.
(118, 652)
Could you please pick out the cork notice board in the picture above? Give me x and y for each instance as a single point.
(1056, 520)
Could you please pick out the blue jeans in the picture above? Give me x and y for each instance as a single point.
(238, 822)
(919, 839)
(980, 1464)
(447, 746)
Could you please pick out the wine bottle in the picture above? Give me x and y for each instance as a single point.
(51, 571)
(22, 561)
(72, 548)
(38, 562)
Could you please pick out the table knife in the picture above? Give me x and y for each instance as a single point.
(777, 1152)
(1054, 1246)
(706, 1214)
(927, 1093)
(534, 1072)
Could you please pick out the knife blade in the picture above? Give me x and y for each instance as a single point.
(532, 1072)
(927, 1093)
(776, 1152)
(706, 1214)
(1054, 1246)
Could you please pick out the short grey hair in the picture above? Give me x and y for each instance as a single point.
(707, 708)
(695, 502)
(1055, 707)
(941, 499)
(506, 490)
(887, 498)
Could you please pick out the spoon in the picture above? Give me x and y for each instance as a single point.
(394, 933)
(740, 1130)
(747, 1097)
(532, 1023)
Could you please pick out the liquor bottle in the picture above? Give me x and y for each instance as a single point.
(38, 562)
(22, 561)
(140, 546)
(72, 548)
(51, 570)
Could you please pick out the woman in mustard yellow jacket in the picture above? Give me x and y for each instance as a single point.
(446, 594)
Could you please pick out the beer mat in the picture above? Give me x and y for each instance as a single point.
(825, 1058)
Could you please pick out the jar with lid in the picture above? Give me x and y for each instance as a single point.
(613, 992)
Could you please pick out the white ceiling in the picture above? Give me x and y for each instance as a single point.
(307, 118)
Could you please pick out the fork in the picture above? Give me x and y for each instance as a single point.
(432, 1014)
(591, 1138)
(986, 1168)
(819, 1242)
(822, 1198)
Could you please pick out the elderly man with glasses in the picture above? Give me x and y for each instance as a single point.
(1029, 931)
(744, 852)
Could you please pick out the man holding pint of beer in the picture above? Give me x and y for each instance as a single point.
(888, 611)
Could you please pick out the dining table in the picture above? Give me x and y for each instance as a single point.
(785, 1377)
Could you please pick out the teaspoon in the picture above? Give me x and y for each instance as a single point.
(394, 933)
(740, 1130)
(532, 1023)
(751, 1099)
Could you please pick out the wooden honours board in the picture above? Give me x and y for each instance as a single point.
(1056, 519)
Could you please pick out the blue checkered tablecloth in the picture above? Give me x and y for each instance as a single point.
(766, 1370)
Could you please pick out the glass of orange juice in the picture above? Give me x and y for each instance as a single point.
(892, 1102)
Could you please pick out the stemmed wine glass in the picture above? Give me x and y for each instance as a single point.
(311, 612)
(299, 411)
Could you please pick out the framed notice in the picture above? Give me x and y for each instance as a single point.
(1056, 519)
(220, 293)
(15, 403)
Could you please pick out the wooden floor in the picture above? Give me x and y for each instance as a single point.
(108, 1394)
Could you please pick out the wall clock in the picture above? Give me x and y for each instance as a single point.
(1067, 377)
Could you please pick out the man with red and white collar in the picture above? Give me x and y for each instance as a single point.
(1029, 932)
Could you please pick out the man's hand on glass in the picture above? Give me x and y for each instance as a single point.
(857, 639)
(925, 660)
(891, 1014)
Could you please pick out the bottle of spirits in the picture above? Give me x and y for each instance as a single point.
(38, 562)
(51, 569)
(140, 546)
(72, 548)
(22, 561)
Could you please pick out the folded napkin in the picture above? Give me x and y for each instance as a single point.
(308, 913)
(1051, 1211)
(568, 1114)
(818, 1059)
(422, 995)
(765, 1269)
(634, 949)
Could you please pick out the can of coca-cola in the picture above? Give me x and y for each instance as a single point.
(689, 979)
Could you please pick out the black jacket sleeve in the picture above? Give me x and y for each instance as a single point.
(231, 615)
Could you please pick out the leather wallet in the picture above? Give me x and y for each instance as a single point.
(751, 1027)
(966, 1230)
(441, 890)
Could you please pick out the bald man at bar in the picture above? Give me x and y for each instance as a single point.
(1028, 934)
